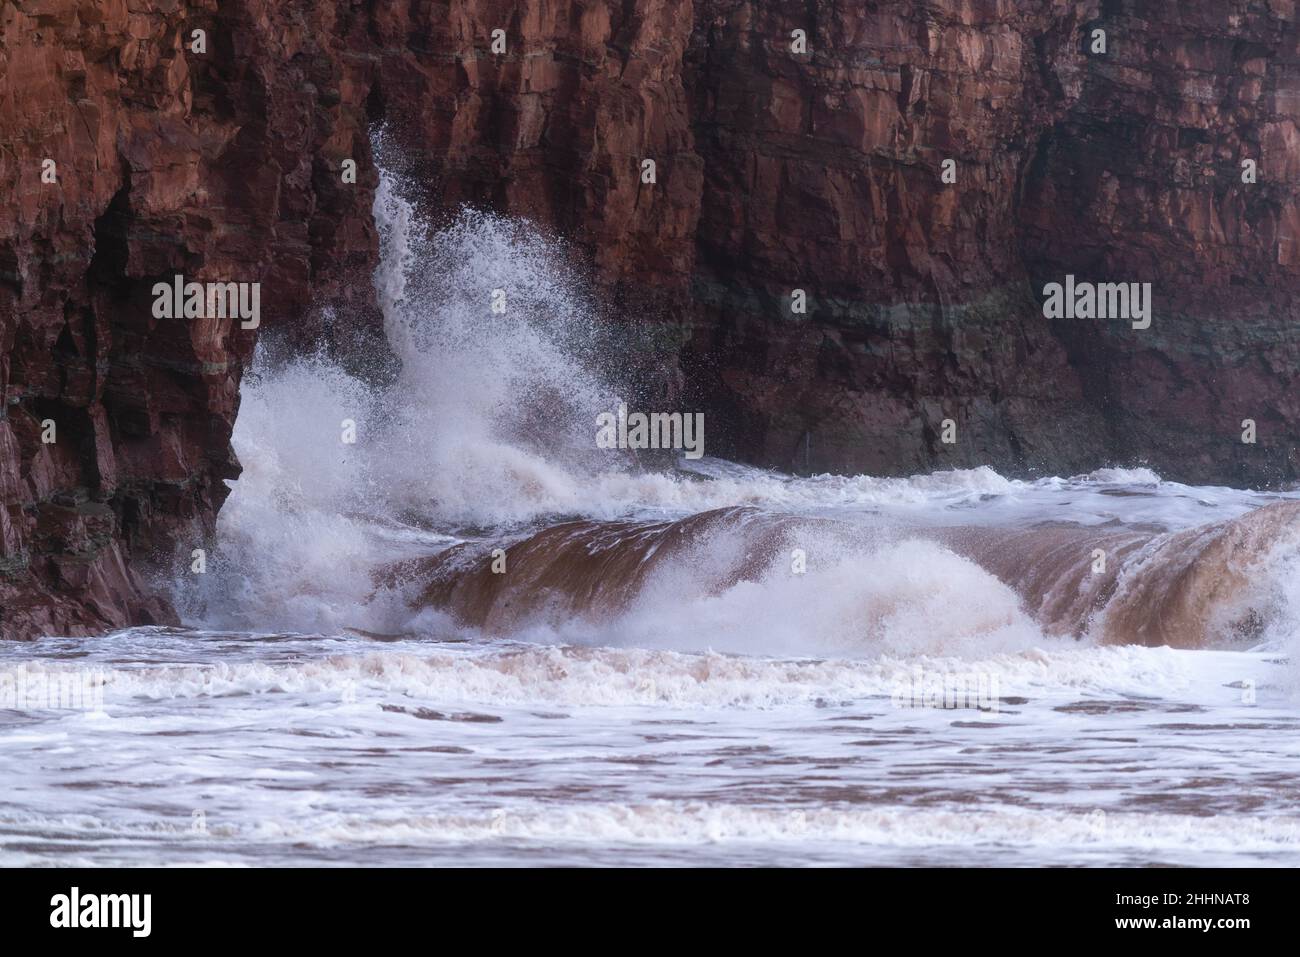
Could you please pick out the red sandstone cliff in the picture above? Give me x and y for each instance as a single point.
(776, 171)
(216, 166)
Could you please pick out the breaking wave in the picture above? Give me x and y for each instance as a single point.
(474, 499)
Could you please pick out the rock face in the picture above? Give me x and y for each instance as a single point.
(775, 171)
(215, 166)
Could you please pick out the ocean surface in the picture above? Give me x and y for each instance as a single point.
(471, 637)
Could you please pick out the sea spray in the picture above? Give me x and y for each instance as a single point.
(487, 423)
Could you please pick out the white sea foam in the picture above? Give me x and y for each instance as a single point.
(581, 676)
(665, 822)
(693, 823)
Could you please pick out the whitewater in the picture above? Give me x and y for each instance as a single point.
(683, 663)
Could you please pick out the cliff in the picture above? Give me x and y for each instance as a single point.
(775, 171)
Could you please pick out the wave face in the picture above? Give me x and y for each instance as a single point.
(768, 583)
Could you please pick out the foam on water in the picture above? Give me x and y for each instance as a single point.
(310, 749)
(162, 665)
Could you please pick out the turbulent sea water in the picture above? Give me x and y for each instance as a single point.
(706, 664)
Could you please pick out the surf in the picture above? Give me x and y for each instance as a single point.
(475, 500)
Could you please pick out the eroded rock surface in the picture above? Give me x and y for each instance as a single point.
(775, 171)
